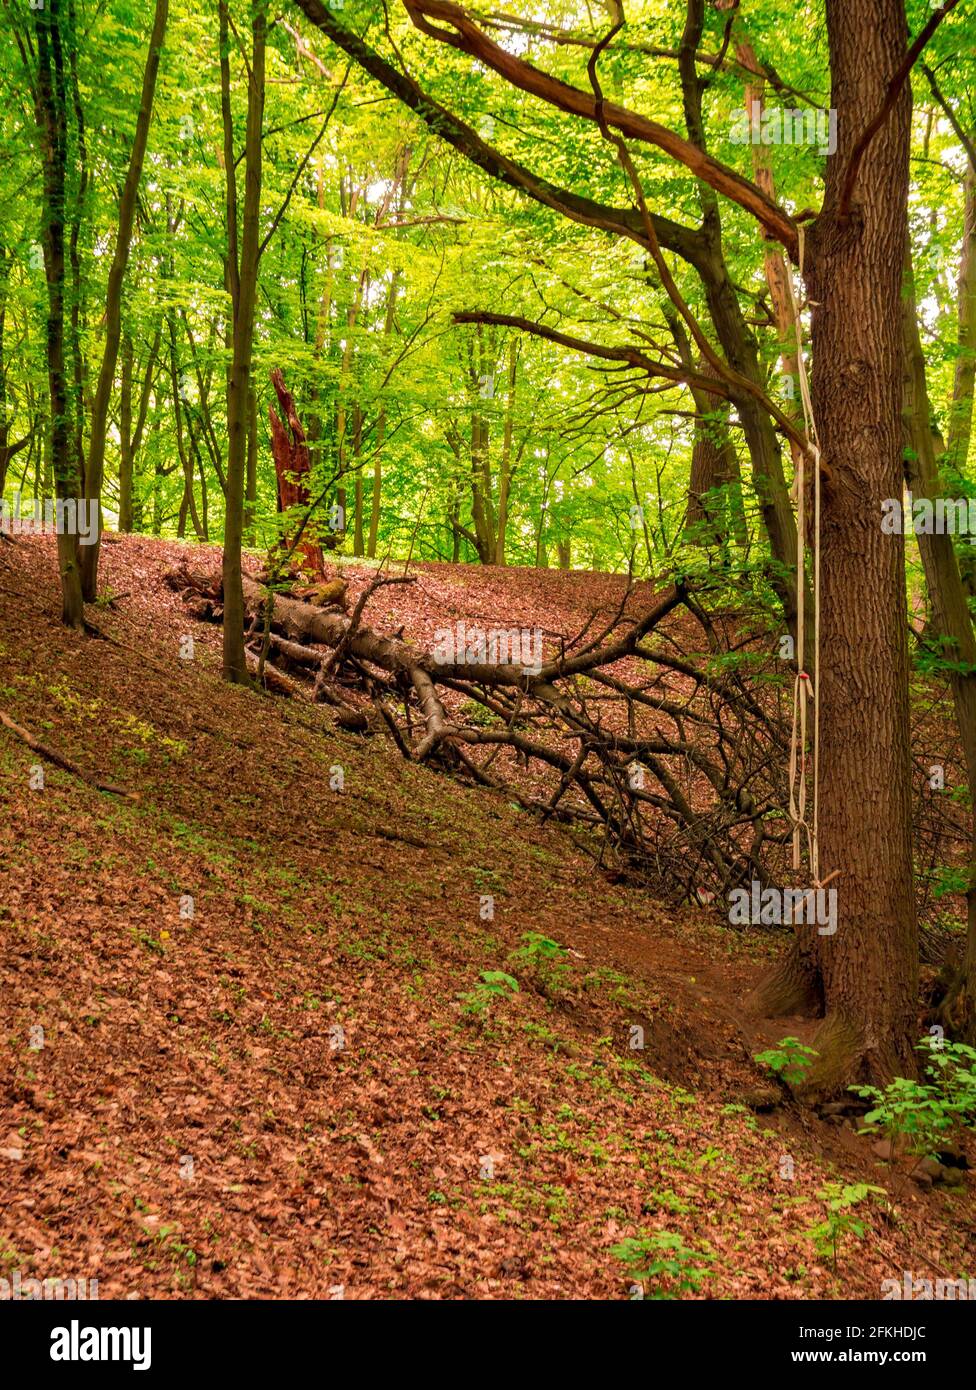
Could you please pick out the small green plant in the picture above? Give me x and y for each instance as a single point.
(841, 1220)
(663, 1256)
(546, 958)
(926, 1114)
(494, 984)
(474, 713)
(948, 881)
(668, 1201)
(789, 1060)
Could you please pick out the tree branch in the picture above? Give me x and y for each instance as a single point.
(682, 241)
(465, 35)
(891, 96)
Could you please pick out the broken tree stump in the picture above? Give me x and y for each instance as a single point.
(293, 467)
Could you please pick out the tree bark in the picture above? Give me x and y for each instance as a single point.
(292, 467)
(52, 126)
(243, 278)
(950, 620)
(88, 555)
(866, 973)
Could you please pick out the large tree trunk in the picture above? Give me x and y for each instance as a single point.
(866, 973)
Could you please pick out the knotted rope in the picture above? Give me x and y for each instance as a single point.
(806, 693)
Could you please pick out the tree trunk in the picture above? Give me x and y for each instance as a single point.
(961, 412)
(359, 546)
(290, 450)
(951, 621)
(866, 973)
(52, 121)
(961, 416)
(131, 441)
(505, 475)
(480, 503)
(244, 279)
(374, 504)
(710, 520)
(251, 486)
(125, 437)
(88, 555)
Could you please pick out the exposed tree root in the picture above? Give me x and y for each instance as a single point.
(848, 1053)
(792, 986)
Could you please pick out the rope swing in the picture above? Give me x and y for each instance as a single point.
(806, 692)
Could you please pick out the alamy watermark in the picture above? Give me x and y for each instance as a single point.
(78, 1343)
(475, 646)
(927, 1290)
(16, 1289)
(64, 516)
(774, 125)
(926, 516)
(781, 907)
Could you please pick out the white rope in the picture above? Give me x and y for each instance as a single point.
(805, 691)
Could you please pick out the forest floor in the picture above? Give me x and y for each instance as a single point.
(285, 1094)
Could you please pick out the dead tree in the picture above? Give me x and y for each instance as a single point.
(622, 729)
(289, 447)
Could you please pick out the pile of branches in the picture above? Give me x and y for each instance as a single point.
(643, 731)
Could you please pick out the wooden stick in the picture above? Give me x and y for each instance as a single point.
(52, 755)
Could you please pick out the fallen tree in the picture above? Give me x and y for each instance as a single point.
(661, 735)
(619, 728)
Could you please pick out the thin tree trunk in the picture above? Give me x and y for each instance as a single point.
(52, 120)
(251, 489)
(188, 502)
(131, 442)
(961, 414)
(374, 504)
(505, 476)
(113, 295)
(125, 436)
(244, 279)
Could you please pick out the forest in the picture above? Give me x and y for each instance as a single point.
(487, 657)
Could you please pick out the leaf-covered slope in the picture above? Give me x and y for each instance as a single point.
(283, 1094)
